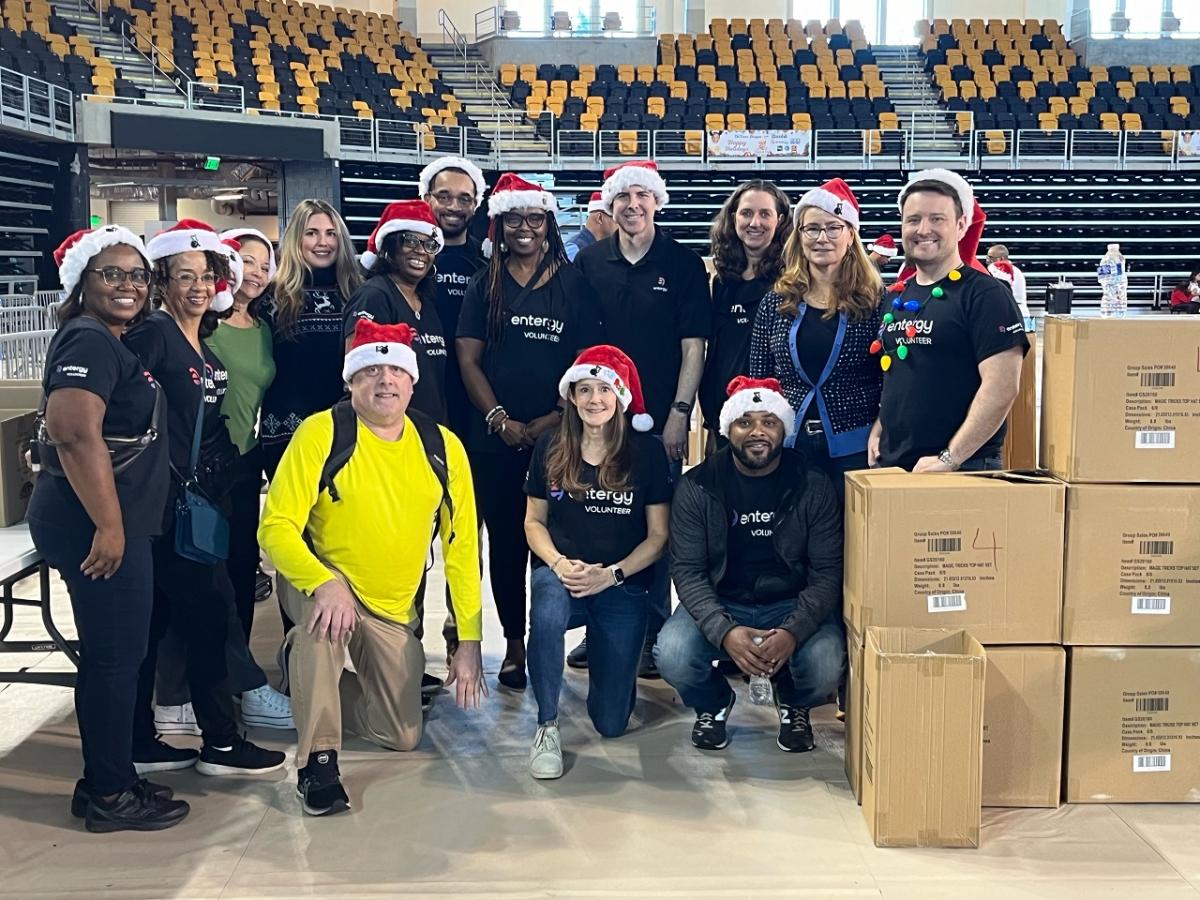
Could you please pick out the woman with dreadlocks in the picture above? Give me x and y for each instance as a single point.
(524, 320)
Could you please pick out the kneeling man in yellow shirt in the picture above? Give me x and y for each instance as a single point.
(351, 551)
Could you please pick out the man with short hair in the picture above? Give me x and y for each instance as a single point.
(882, 251)
(999, 253)
(756, 557)
(656, 306)
(598, 225)
(350, 542)
(952, 342)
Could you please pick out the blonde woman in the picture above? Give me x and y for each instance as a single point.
(813, 332)
(317, 274)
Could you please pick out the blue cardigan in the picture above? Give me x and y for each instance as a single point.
(847, 393)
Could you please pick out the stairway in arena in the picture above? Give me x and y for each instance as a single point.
(931, 127)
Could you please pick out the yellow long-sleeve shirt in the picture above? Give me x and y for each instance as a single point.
(378, 533)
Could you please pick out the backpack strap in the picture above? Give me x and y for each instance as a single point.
(341, 448)
(435, 452)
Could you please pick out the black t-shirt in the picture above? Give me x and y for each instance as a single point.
(539, 341)
(926, 396)
(753, 572)
(602, 527)
(381, 301)
(814, 344)
(164, 350)
(649, 307)
(85, 355)
(734, 306)
(455, 266)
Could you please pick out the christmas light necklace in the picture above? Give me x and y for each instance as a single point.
(911, 306)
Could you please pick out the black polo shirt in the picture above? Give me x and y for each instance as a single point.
(650, 306)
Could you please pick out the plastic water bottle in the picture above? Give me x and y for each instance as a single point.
(761, 692)
(1114, 282)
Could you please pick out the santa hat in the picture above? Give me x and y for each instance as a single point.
(640, 173)
(1002, 269)
(756, 395)
(966, 196)
(73, 254)
(223, 298)
(968, 248)
(596, 203)
(236, 234)
(380, 345)
(403, 215)
(835, 198)
(186, 235)
(431, 171)
(884, 245)
(614, 368)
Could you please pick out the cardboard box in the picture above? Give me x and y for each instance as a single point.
(1132, 573)
(1133, 725)
(976, 551)
(923, 692)
(1023, 726)
(854, 719)
(1020, 441)
(1121, 399)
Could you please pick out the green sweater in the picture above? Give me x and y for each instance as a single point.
(247, 355)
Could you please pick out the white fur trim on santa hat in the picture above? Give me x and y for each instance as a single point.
(169, 243)
(628, 176)
(507, 201)
(1001, 274)
(966, 196)
(757, 399)
(597, 206)
(889, 252)
(431, 171)
(392, 226)
(75, 260)
(641, 421)
(223, 298)
(376, 354)
(237, 234)
(830, 203)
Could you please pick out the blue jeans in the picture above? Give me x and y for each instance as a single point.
(982, 464)
(685, 659)
(616, 631)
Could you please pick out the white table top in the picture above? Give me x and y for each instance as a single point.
(16, 550)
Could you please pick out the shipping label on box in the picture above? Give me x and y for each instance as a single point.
(980, 551)
(1132, 574)
(923, 695)
(1023, 726)
(1133, 725)
(1121, 398)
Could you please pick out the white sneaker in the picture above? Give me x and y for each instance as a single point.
(545, 756)
(175, 720)
(265, 707)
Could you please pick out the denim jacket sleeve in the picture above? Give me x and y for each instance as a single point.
(690, 563)
(823, 593)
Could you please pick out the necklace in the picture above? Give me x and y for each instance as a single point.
(901, 350)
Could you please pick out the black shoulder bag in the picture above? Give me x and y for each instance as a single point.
(201, 530)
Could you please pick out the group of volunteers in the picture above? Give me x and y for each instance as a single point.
(537, 389)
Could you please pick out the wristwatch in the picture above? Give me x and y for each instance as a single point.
(680, 406)
(947, 459)
(618, 575)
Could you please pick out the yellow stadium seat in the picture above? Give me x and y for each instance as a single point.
(627, 143)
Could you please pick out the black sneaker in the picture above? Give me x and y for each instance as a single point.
(243, 758)
(134, 810)
(319, 785)
(577, 658)
(795, 731)
(262, 586)
(431, 685)
(162, 757)
(648, 668)
(709, 731)
(79, 799)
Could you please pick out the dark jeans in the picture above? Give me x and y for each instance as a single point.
(685, 658)
(112, 618)
(660, 590)
(196, 598)
(500, 498)
(982, 464)
(244, 500)
(816, 450)
(616, 632)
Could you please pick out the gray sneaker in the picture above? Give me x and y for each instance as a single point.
(545, 756)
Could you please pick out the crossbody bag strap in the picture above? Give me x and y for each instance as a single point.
(194, 458)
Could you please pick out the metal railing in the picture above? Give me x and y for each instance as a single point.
(481, 76)
(36, 106)
(171, 73)
(489, 23)
(1082, 26)
(23, 354)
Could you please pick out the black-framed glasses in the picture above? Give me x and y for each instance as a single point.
(534, 220)
(445, 198)
(412, 241)
(187, 279)
(115, 276)
(814, 232)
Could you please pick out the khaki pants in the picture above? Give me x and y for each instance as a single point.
(382, 703)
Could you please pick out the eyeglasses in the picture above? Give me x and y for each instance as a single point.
(814, 232)
(413, 241)
(445, 198)
(114, 276)
(187, 279)
(534, 220)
